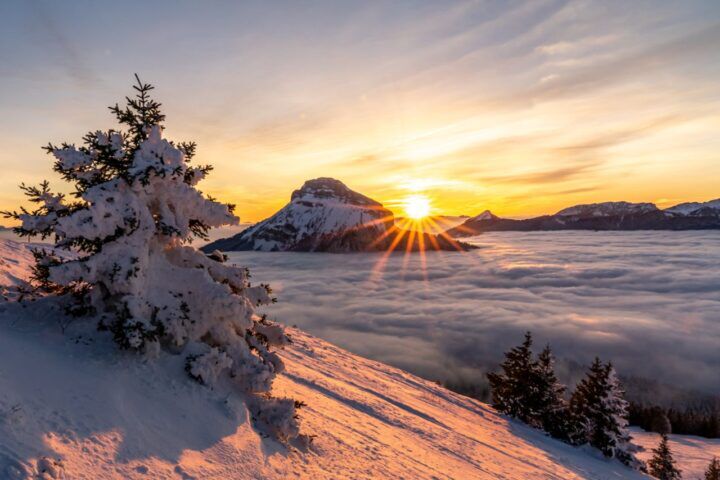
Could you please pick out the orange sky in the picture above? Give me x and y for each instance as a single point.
(521, 109)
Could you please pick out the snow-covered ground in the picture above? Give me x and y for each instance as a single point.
(15, 261)
(74, 398)
(117, 416)
(693, 454)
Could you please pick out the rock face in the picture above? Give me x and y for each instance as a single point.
(324, 215)
(603, 216)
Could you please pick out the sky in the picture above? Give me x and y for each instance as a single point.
(522, 108)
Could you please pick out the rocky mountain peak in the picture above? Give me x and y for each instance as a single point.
(324, 188)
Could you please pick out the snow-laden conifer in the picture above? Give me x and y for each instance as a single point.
(600, 411)
(134, 210)
(662, 464)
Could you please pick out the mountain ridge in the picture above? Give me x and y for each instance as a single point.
(602, 216)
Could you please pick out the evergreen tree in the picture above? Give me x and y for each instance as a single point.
(662, 465)
(133, 213)
(514, 390)
(551, 404)
(599, 413)
(713, 470)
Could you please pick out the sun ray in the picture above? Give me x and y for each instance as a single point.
(377, 269)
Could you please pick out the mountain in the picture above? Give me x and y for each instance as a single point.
(695, 208)
(602, 216)
(324, 215)
(73, 406)
(607, 209)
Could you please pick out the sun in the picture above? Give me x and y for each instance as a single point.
(417, 206)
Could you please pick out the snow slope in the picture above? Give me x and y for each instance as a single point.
(15, 261)
(77, 407)
(693, 454)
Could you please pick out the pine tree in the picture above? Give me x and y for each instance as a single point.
(599, 413)
(662, 464)
(134, 211)
(551, 404)
(713, 470)
(583, 404)
(514, 390)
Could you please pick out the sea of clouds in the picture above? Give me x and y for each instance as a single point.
(648, 301)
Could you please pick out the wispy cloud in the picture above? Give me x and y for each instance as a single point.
(65, 54)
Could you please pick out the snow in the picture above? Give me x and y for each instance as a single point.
(15, 261)
(690, 207)
(486, 215)
(73, 404)
(607, 209)
(132, 269)
(693, 454)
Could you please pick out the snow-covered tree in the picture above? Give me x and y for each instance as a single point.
(713, 470)
(552, 407)
(599, 412)
(514, 390)
(662, 465)
(133, 213)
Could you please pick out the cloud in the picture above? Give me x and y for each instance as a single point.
(555, 175)
(640, 63)
(645, 300)
(67, 55)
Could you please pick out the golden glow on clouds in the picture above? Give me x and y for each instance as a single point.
(524, 110)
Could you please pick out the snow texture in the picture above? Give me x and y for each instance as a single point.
(692, 454)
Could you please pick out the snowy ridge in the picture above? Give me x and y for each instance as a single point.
(602, 216)
(73, 405)
(607, 209)
(691, 208)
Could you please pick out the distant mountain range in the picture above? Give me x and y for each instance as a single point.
(324, 215)
(602, 216)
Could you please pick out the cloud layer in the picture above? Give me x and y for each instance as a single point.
(648, 301)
